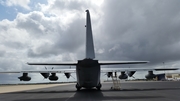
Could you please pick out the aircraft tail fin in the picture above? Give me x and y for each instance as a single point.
(89, 38)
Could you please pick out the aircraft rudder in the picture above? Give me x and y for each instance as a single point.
(89, 38)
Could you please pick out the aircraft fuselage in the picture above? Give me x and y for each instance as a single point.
(88, 73)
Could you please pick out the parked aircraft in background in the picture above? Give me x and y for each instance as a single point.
(88, 70)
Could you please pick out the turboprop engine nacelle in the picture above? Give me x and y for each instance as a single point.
(67, 75)
(131, 73)
(24, 77)
(53, 77)
(109, 74)
(123, 76)
(45, 75)
(150, 75)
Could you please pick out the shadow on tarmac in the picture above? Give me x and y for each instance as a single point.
(91, 94)
(90, 90)
(155, 91)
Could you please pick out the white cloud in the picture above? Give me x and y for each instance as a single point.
(21, 3)
(123, 30)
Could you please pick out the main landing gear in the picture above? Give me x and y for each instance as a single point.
(78, 87)
(99, 86)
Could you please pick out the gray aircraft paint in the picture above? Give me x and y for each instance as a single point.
(88, 70)
(88, 73)
(89, 38)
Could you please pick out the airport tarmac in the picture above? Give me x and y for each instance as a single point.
(130, 91)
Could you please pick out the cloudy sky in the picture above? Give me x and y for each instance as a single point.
(53, 31)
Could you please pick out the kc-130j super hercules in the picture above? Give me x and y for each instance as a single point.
(88, 70)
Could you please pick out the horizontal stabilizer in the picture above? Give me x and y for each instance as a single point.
(165, 69)
(63, 63)
(121, 62)
(105, 70)
(42, 71)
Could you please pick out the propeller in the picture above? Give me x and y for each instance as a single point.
(72, 77)
(46, 67)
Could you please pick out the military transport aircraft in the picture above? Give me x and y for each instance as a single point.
(88, 70)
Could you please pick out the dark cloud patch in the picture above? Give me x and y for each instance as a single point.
(13, 63)
(123, 30)
(73, 38)
(2, 53)
(14, 44)
(64, 41)
(30, 23)
(34, 54)
(9, 78)
(141, 30)
(71, 5)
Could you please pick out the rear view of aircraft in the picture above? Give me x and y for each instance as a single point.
(88, 70)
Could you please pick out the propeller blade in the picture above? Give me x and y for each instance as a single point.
(72, 77)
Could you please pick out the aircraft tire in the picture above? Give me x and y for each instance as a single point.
(99, 86)
(78, 87)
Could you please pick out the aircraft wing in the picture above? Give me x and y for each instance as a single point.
(121, 62)
(42, 71)
(100, 62)
(105, 70)
(63, 63)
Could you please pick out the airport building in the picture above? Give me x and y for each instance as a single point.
(172, 76)
(167, 76)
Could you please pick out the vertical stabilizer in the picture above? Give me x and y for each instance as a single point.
(89, 38)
